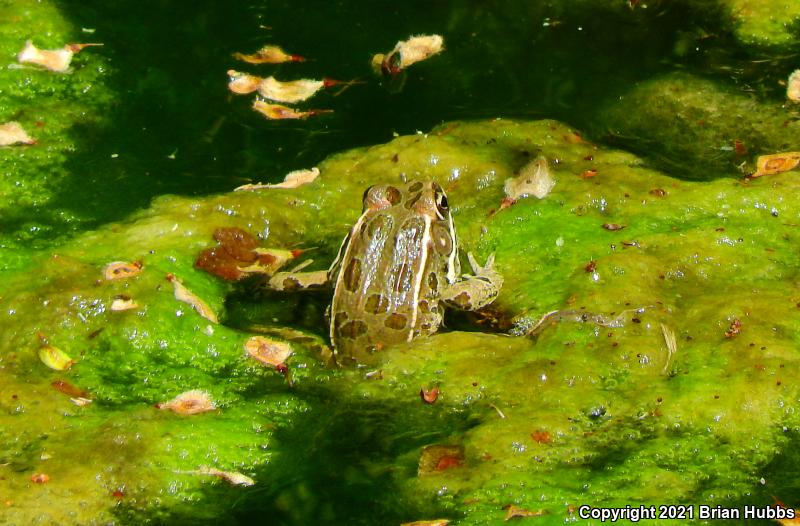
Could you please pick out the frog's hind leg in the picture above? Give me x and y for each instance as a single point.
(474, 292)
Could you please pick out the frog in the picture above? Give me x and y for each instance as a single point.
(395, 271)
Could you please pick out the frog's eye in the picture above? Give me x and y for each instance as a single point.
(441, 201)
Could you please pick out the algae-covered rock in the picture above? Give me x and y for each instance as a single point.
(698, 129)
(766, 23)
(664, 368)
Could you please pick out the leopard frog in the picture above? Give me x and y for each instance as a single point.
(395, 269)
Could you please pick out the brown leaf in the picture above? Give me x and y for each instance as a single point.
(269, 55)
(40, 478)
(588, 174)
(187, 296)
(70, 390)
(658, 192)
(429, 396)
(776, 163)
(122, 270)
(734, 329)
(280, 112)
(12, 133)
(542, 437)
(291, 91)
(189, 403)
(613, 226)
(534, 179)
(293, 179)
(515, 512)
(434, 522)
(269, 352)
(437, 457)
(122, 302)
(231, 477)
(57, 60)
(237, 242)
(408, 52)
(242, 83)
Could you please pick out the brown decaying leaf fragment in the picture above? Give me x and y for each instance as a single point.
(433, 522)
(280, 112)
(793, 86)
(429, 396)
(437, 457)
(189, 403)
(542, 437)
(231, 477)
(776, 163)
(515, 512)
(408, 52)
(613, 226)
(122, 302)
(269, 55)
(267, 351)
(534, 179)
(289, 91)
(293, 179)
(734, 329)
(40, 478)
(238, 255)
(70, 390)
(122, 270)
(186, 296)
(11, 133)
(57, 60)
(242, 83)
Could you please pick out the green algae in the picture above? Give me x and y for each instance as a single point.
(766, 23)
(594, 408)
(54, 108)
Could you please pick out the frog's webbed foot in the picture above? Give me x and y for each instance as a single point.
(476, 291)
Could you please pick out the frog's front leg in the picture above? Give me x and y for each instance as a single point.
(474, 292)
(292, 281)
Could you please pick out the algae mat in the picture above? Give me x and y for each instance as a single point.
(667, 374)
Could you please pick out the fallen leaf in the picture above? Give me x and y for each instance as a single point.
(292, 180)
(515, 512)
(776, 163)
(122, 302)
(793, 86)
(186, 296)
(237, 242)
(613, 226)
(267, 351)
(408, 52)
(588, 174)
(658, 192)
(429, 396)
(269, 55)
(231, 477)
(68, 389)
(55, 358)
(122, 270)
(12, 133)
(189, 403)
(57, 60)
(242, 83)
(280, 112)
(591, 266)
(437, 458)
(533, 179)
(289, 91)
(542, 437)
(40, 478)
(269, 260)
(434, 522)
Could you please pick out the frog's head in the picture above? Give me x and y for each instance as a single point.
(422, 198)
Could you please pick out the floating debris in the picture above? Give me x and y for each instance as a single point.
(40, 478)
(734, 329)
(238, 255)
(269, 55)
(187, 296)
(57, 60)
(793, 86)
(242, 83)
(269, 352)
(672, 344)
(292, 180)
(534, 179)
(776, 163)
(438, 458)
(434, 522)
(70, 390)
(55, 358)
(429, 396)
(408, 52)
(122, 302)
(613, 226)
(12, 133)
(280, 112)
(189, 403)
(122, 270)
(289, 91)
(232, 477)
(515, 512)
(542, 437)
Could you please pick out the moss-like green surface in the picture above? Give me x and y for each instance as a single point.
(593, 409)
(767, 23)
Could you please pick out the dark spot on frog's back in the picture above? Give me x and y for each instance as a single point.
(396, 321)
(376, 304)
(415, 187)
(352, 329)
(412, 200)
(433, 281)
(463, 300)
(393, 195)
(380, 223)
(352, 275)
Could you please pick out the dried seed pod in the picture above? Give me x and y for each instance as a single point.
(55, 358)
(189, 403)
(269, 55)
(408, 52)
(289, 91)
(12, 133)
(242, 83)
(187, 296)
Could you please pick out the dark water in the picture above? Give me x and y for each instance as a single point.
(177, 129)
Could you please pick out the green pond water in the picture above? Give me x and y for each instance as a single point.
(649, 114)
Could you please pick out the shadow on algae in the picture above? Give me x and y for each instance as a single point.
(665, 373)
